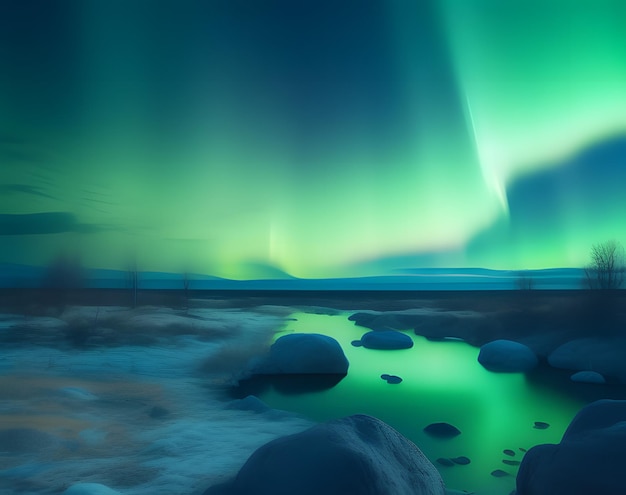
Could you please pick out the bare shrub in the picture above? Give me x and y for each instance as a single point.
(607, 266)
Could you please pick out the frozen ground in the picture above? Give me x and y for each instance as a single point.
(129, 398)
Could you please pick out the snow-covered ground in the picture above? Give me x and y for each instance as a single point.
(130, 399)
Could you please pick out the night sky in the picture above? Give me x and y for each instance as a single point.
(247, 139)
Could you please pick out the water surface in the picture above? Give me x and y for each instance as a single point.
(442, 381)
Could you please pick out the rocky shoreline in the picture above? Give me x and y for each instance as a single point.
(88, 364)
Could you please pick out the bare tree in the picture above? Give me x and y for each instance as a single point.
(607, 266)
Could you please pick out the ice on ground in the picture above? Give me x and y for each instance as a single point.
(94, 401)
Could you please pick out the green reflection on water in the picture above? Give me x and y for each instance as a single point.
(442, 381)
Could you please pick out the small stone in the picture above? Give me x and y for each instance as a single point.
(391, 379)
(540, 425)
(498, 473)
(442, 430)
(508, 452)
(461, 460)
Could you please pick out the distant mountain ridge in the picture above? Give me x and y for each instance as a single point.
(25, 276)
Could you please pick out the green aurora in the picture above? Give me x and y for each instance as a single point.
(249, 139)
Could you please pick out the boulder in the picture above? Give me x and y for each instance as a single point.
(435, 324)
(587, 377)
(386, 340)
(357, 455)
(595, 416)
(255, 405)
(304, 353)
(249, 403)
(605, 356)
(442, 430)
(507, 356)
(589, 459)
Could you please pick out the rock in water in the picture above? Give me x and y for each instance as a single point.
(590, 458)
(588, 377)
(442, 430)
(507, 356)
(605, 354)
(391, 379)
(357, 455)
(386, 340)
(302, 353)
(498, 473)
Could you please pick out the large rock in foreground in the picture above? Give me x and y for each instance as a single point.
(303, 353)
(357, 455)
(589, 460)
(507, 356)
